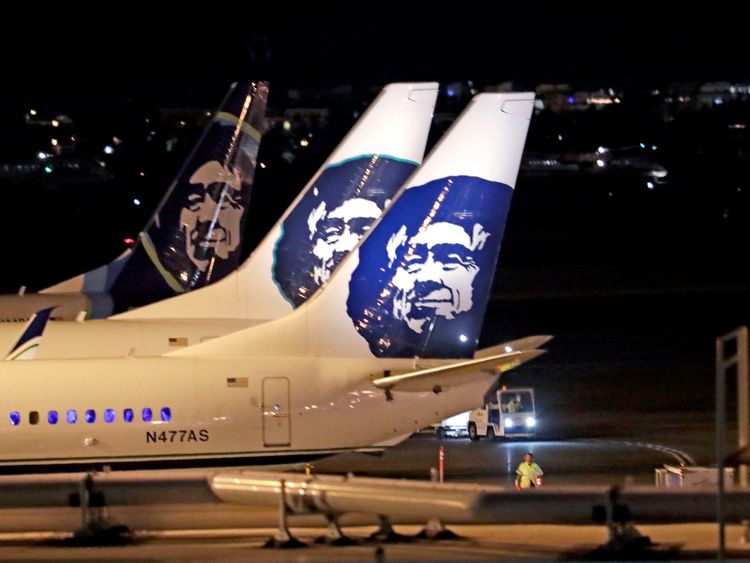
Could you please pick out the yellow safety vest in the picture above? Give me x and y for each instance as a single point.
(528, 473)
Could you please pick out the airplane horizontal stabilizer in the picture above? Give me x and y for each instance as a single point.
(437, 378)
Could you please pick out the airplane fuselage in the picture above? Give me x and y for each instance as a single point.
(243, 410)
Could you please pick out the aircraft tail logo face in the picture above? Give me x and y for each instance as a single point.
(212, 219)
(195, 237)
(425, 274)
(329, 220)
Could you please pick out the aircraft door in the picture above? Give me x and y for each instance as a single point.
(276, 423)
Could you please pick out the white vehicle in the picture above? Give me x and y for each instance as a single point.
(454, 426)
(512, 416)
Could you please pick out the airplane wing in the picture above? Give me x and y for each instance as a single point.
(434, 379)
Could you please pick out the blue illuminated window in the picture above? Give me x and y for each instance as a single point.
(147, 415)
(109, 416)
(15, 418)
(52, 417)
(90, 416)
(166, 414)
(127, 415)
(71, 416)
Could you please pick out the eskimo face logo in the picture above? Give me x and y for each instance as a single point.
(212, 220)
(337, 232)
(435, 275)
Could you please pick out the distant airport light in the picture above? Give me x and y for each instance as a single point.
(304, 143)
(55, 123)
(32, 112)
(601, 150)
(108, 150)
(571, 100)
(559, 137)
(116, 140)
(600, 163)
(262, 164)
(653, 147)
(141, 173)
(136, 201)
(41, 155)
(53, 142)
(48, 169)
(650, 185)
(287, 125)
(129, 241)
(642, 145)
(718, 101)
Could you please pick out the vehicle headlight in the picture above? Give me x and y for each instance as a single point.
(508, 423)
(530, 421)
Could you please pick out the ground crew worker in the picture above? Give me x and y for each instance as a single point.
(513, 405)
(528, 474)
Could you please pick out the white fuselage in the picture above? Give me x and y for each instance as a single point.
(115, 338)
(252, 410)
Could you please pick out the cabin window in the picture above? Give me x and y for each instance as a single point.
(127, 415)
(71, 416)
(109, 416)
(15, 418)
(52, 417)
(90, 416)
(34, 417)
(166, 414)
(147, 415)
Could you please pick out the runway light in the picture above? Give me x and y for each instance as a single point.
(108, 150)
(129, 241)
(55, 123)
(136, 202)
(304, 143)
(601, 150)
(530, 421)
(32, 112)
(600, 163)
(642, 145)
(287, 125)
(48, 169)
(650, 185)
(41, 155)
(262, 164)
(53, 142)
(508, 423)
(653, 147)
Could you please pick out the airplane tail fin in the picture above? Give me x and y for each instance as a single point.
(194, 237)
(27, 345)
(327, 219)
(419, 282)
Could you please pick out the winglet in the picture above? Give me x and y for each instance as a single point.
(28, 344)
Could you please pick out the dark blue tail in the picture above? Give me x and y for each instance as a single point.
(195, 236)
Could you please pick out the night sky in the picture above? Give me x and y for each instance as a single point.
(324, 45)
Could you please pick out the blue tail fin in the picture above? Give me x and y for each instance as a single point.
(419, 282)
(326, 221)
(26, 346)
(194, 237)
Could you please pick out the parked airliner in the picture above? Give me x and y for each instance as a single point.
(385, 348)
